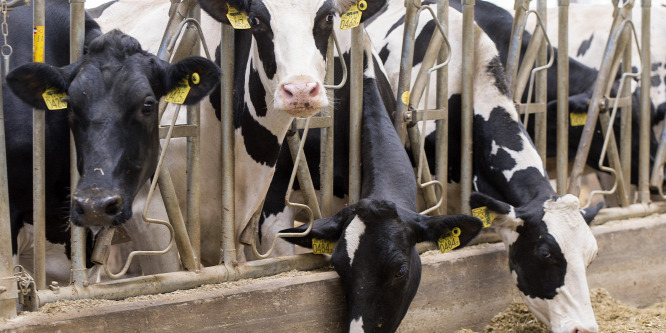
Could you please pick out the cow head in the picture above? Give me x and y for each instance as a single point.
(290, 39)
(112, 99)
(376, 258)
(549, 251)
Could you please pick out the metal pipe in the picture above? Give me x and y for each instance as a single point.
(304, 179)
(442, 147)
(168, 282)
(644, 151)
(562, 96)
(631, 211)
(625, 120)
(227, 49)
(38, 161)
(405, 72)
(467, 104)
(355, 113)
(327, 135)
(77, 34)
(515, 44)
(175, 18)
(194, 159)
(540, 127)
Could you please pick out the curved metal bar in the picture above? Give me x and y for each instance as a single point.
(342, 62)
(197, 26)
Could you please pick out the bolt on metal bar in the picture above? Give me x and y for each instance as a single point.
(644, 150)
(227, 49)
(355, 113)
(77, 33)
(562, 97)
(38, 160)
(442, 125)
(467, 104)
(405, 71)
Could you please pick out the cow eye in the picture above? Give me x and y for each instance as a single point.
(401, 272)
(254, 21)
(329, 18)
(149, 105)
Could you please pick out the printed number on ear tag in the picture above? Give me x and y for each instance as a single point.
(237, 18)
(178, 94)
(577, 118)
(53, 99)
(450, 241)
(485, 215)
(352, 18)
(322, 246)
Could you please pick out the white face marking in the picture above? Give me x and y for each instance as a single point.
(353, 234)
(356, 325)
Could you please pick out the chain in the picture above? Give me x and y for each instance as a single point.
(6, 49)
(25, 281)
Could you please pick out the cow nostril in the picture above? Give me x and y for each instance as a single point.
(113, 206)
(287, 92)
(314, 90)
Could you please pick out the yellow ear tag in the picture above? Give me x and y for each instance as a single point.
(405, 98)
(322, 246)
(237, 18)
(178, 94)
(195, 78)
(53, 99)
(577, 118)
(362, 5)
(450, 241)
(352, 18)
(485, 215)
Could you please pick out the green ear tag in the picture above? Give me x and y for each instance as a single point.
(322, 246)
(577, 118)
(449, 241)
(351, 19)
(485, 215)
(237, 18)
(178, 94)
(53, 99)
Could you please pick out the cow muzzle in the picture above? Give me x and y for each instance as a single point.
(301, 97)
(95, 207)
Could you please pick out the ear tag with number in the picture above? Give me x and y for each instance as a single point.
(237, 18)
(322, 246)
(450, 241)
(352, 18)
(53, 99)
(485, 215)
(577, 118)
(178, 94)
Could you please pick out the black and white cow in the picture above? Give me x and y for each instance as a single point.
(112, 95)
(542, 231)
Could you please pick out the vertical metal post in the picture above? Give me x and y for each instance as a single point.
(515, 45)
(10, 294)
(563, 96)
(355, 113)
(541, 86)
(38, 162)
(467, 104)
(326, 145)
(442, 147)
(193, 161)
(405, 76)
(625, 121)
(77, 34)
(644, 155)
(227, 49)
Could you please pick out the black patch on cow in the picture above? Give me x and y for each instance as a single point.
(259, 142)
(501, 128)
(322, 29)
(584, 46)
(497, 71)
(397, 24)
(655, 66)
(655, 80)
(384, 53)
(263, 34)
(422, 41)
(258, 95)
(538, 261)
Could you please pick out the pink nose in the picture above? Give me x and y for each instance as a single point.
(300, 95)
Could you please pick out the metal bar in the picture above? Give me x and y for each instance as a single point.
(614, 160)
(179, 131)
(38, 161)
(304, 179)
(327, 135)
(625, 120)
(227, 50)
(355, 113)
(193, 159)
(168, 282)
(525, 69)
(175, 18)
(644, 151)
(442, 125)
(315, 122)
(405, 73)
(77, 33)
(562, 97)
(515, 45)
(541, 88)
(467, 104)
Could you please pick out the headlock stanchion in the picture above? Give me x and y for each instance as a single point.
(467, 105)
(442, 125)
(38, 161)
(562, 164)
(355, 112)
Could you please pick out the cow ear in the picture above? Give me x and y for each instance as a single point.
(504, 214)
(30, 81)
(590, 212)
(202, 75)
(329, 228)
(218, 9)
(372, 7)
(431, 228)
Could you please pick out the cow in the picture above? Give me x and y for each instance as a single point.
(112, 98)
(541, 230)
